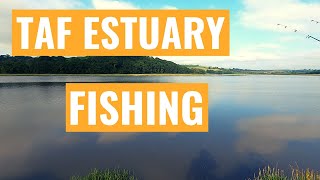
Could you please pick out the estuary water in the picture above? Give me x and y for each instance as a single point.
(254, 121)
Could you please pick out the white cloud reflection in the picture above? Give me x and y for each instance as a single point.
(270, 134)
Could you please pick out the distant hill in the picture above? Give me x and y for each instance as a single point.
(91, 65)
(217, 70)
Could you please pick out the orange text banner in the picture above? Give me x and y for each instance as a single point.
(120, 32)
(138, 107)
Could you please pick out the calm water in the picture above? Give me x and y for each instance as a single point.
(254, 121)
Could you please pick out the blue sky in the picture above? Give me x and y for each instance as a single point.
(191, 4)
(256, 40)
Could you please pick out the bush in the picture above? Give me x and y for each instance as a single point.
(108, 174)
(277, 174)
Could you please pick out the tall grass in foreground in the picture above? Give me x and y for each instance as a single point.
(108, 174)
(268, 173)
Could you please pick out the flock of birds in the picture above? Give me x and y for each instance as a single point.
(295, 30)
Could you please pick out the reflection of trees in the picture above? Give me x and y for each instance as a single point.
(249, 168)
(202, 167)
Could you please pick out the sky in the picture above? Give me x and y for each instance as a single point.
(257, 42)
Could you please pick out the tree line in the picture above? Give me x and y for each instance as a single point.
(91, 65)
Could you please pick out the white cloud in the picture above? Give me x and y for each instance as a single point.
(112, 4)
(289, 38)
(275, 53)
(257, 56)
(169, 7)
(293, 13)
(7, 6)
(44, 4)
(265, 15)
(248, 53)
(115, 4)
(5, 48)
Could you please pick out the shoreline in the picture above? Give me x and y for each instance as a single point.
(140, 75)
(121, 75)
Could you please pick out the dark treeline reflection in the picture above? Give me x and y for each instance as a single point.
(202, 167)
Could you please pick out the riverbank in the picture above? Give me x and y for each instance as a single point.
(119, 75)
(267, 173)
(126, 75)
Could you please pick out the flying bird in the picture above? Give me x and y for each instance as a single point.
(315, 21)
(285, 26)
(295, 30)
(282, 25)
(308, 37)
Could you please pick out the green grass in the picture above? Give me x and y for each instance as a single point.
(266, 173)
(269, 173)
(108, 174)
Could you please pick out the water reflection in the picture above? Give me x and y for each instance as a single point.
(115, 137)
(28, 118)
(202, 167)
(254, 121)
(272, 134)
